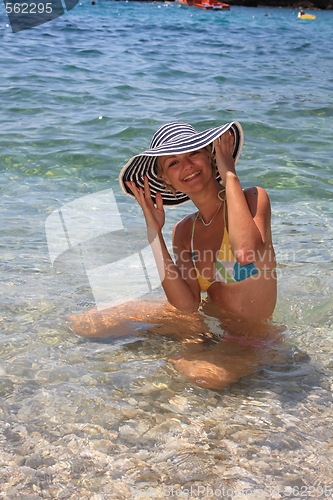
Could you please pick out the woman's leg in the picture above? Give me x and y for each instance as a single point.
(216, 367)
(136, 317)
(242, 347)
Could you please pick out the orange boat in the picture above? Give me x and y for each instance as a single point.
(206, 4)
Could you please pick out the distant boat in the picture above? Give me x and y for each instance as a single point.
(303, 15)
(206, 4)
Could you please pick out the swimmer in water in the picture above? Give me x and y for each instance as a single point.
(223, 250)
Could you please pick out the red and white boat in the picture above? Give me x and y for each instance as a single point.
(206, 4)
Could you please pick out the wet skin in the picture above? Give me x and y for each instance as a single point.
(241, 308)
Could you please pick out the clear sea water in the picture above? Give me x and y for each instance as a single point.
(111, 420)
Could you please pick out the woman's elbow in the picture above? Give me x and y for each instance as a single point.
(246, 256)
(186, 308)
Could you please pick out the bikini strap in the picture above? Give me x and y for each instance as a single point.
(192, 238)
(225, 205)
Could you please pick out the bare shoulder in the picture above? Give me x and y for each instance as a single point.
(182, 230)
(258, 200)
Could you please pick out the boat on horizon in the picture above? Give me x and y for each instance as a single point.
(304, 15)
(206, 4)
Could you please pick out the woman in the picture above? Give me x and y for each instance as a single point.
(224, 249)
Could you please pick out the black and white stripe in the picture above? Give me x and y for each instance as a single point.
(173, 138)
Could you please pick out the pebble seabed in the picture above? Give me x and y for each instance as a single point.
(90, 420)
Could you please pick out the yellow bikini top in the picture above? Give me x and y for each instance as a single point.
(227, 269)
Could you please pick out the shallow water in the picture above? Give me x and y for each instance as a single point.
(114, 420)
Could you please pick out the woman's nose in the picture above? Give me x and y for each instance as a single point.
(187, 162)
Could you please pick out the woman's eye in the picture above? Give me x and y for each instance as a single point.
(172, 164)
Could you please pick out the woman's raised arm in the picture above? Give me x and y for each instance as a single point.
(182, 296)
(248, 212)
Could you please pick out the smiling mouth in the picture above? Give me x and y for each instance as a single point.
(191, 176)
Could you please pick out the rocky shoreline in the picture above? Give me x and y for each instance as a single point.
(298, 4)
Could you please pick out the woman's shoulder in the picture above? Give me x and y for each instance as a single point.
(258, 201)
(255, 191)
(256, 195)
(185, 222)
(183, 228)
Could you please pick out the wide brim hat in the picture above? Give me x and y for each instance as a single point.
(173, 138)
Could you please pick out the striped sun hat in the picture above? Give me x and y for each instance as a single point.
(173, 138)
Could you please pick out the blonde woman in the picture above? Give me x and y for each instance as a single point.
(223, 250)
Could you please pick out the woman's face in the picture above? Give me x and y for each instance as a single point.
(188, 171)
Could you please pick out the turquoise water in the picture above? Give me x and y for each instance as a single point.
(80, 96)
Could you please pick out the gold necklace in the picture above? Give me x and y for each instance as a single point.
(218, 208)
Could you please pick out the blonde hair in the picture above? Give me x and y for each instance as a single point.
(168, 187)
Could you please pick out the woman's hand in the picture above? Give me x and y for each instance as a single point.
(154, 215)
(224, 147)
